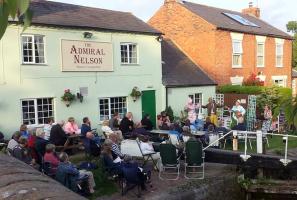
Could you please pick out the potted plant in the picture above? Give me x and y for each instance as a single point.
(68, 97)
(135, 94)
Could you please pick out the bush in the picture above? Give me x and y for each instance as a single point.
(238, 89)
(253, 80)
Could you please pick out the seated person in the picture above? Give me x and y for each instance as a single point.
(207, 123)
(24, 131)
(145, 146)
(240, 126)
(147, 123)
(165, 122)
(107, 130)
(66, 167)
(127, 125)
(47, 128)
(140, 130)
(114, 122)
(86, 131)
(221, 128)
(40, 144)
(111, 161)
(159, 121)
(71, 127)
(14, 141)
(58, 136)
(115, 145)
(51, 157)
(22, 153)
(31, 145)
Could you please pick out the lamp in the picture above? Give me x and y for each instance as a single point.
(159, 38)
(87, 35)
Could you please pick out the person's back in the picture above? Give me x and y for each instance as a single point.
(11, 145)
(40, 145)
(22, 153)
(58, 136)
(85, 128)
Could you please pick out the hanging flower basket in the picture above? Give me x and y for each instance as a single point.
(68, 97)
(135, 94)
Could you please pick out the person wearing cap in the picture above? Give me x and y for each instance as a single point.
(238, 111)
(212, 110)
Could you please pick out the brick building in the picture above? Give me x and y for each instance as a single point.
(228, 45)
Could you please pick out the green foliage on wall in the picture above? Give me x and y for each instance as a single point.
(237, 89)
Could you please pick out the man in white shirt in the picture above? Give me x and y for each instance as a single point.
(14, 141)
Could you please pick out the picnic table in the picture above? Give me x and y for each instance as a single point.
(70, 139)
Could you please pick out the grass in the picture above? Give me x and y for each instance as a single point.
(103, 185)
(276, 145)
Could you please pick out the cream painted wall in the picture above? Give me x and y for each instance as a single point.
(177, 97)
(35, 81)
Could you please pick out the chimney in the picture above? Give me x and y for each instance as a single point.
(251, 10)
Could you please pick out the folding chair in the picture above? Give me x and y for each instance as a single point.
(169, 160)
(147, 157)
(194, 158)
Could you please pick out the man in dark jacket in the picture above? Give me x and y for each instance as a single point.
(212, 110)
(58, 136)
(127, 125)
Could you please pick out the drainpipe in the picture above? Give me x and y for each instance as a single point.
(166, 97)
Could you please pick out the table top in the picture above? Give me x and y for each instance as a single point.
(167, 132)
(198, 133)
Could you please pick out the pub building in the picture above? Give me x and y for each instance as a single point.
(98, 55)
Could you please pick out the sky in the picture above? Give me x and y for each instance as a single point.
(275, 12)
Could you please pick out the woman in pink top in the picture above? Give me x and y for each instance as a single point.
(51, 157)
(71, 127)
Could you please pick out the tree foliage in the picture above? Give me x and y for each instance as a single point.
(292, 27)
(14, 9)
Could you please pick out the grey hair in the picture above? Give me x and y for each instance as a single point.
(63, 157)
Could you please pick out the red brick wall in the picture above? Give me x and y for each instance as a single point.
(212, 49)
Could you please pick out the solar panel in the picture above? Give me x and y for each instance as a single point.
(241, 20)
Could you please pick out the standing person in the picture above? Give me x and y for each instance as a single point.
(191, 109)
(238, 111)
(71, 127)
(114, 122)
(147, 123)
(267, 119)
(127, 125)
(47, 128)
(58, 136)
(212, 110)
(24, 131)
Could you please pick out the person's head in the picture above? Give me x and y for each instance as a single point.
(40, 132)
(50, 148)
(16, 135)
(116, 115)
(210, 128)
(146, 116)
(23, 141)
(61, 122)
(210, 100)
(240, 120)
(129, 115)
(105, 123)
(114, 137)
(86, 120)
(237, 103)
(207, 120)
(267, 107)
(50, 121)
(71, 120)
(63, 157)
(23, 127)
(107, 146)
(190, 100)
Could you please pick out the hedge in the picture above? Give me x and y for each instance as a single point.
(237, 89)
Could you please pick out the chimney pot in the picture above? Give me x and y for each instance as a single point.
(251, 10)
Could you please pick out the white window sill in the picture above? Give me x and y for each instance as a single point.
(236, 67)
(41, 64)
(260, 66)
(279, 66)
(127, 64)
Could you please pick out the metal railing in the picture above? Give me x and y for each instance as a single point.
(259, 135)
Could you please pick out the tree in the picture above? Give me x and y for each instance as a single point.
(292, 27)
(14, 9)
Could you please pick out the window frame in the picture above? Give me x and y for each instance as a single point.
(278, 78)
(128, 51)
(109, 106)
(282, 54)
(240, 54)
(36, 109)
(194, 99)
(258, 55)
(33, 49)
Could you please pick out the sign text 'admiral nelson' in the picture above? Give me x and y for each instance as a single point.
(86, 56)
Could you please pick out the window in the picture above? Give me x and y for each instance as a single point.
(197, 98)
(260, 54)
(241, 19)
(129, 53)
(237, 53)
(33, 49)
(280, 81)
(108, 106)
(37, 111)
(279, 55)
